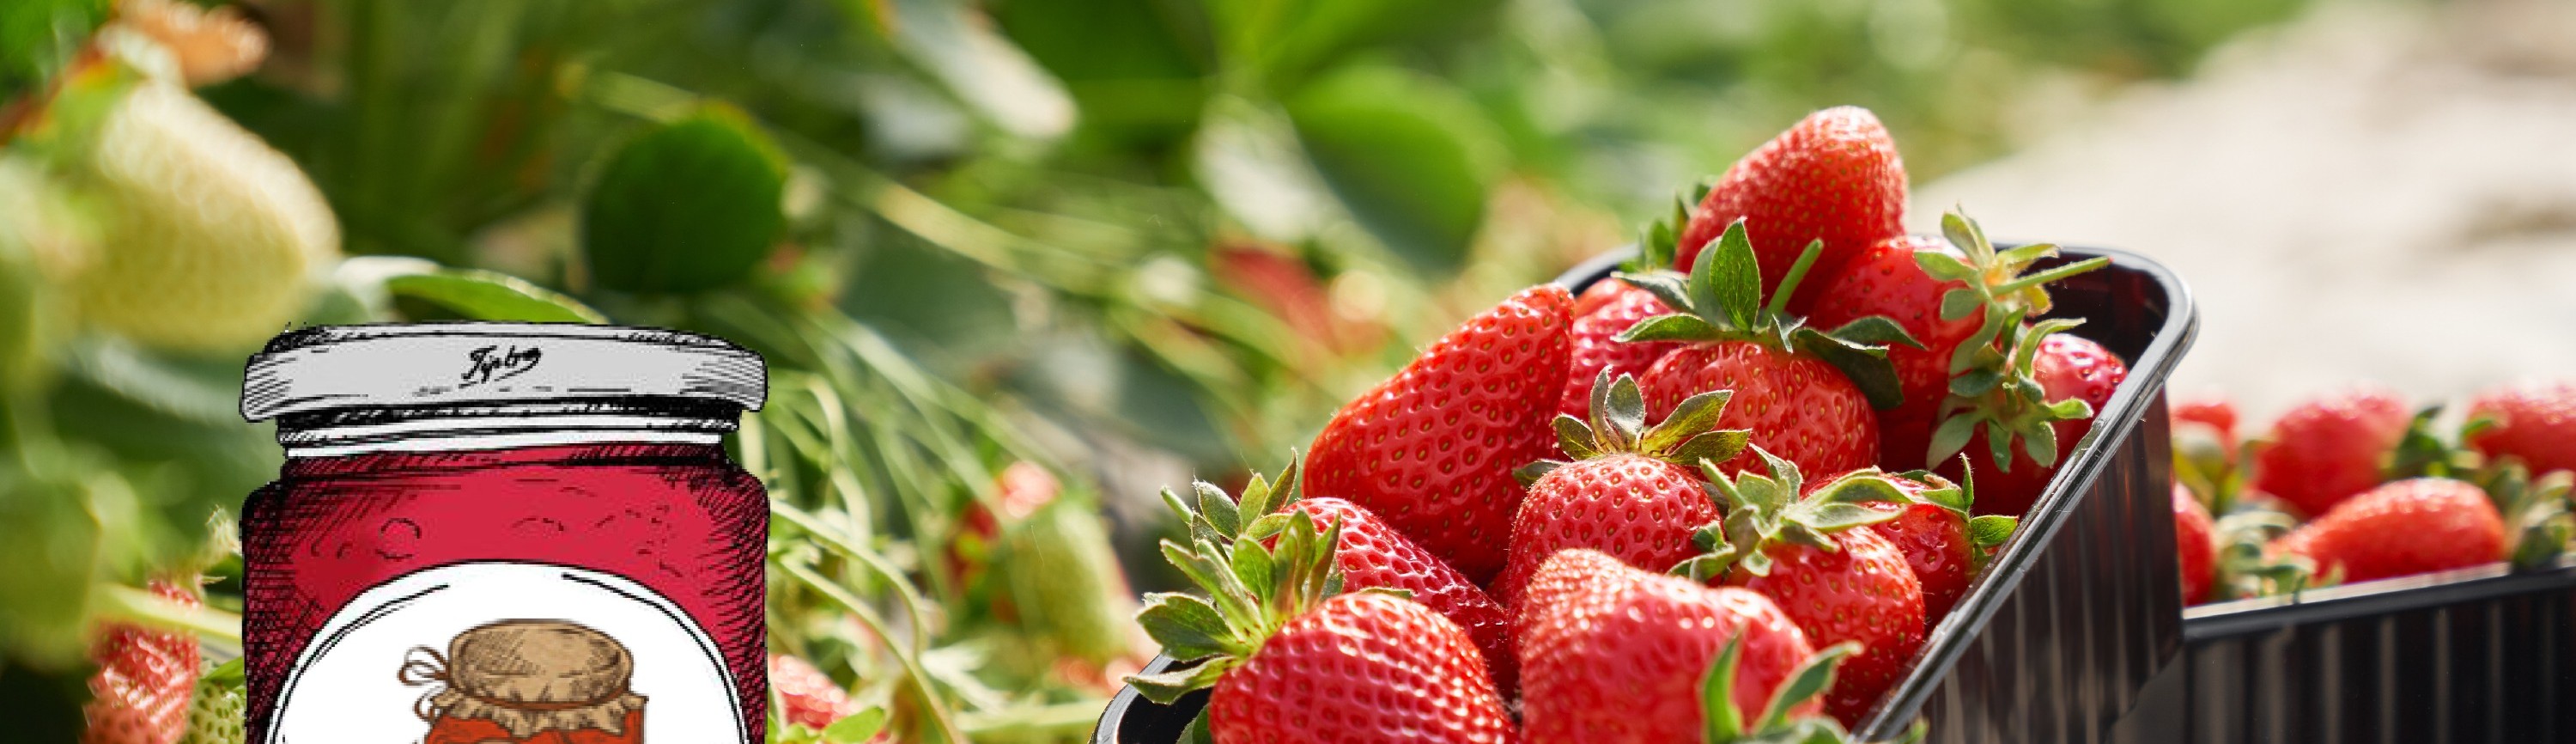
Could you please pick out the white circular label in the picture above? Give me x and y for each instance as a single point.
(344, 688)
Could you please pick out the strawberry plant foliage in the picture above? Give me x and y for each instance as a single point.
(1721, 299)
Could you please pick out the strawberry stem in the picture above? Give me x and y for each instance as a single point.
(128, 604)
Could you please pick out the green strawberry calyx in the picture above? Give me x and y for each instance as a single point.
(1254, 583)
(1990, 372)
(1985, 533)
(1259, 514)
(1992, 283)
(2008, 402)
(1662, 241)
(2538, 519)
(1618, 426)
(1763, 511)
(2245, 566)
(1721, 300)
(1726, 725)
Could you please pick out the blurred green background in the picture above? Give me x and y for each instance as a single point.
(1130, 241)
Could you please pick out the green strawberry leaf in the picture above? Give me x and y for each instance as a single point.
(1694, 417)
(1252, 566)
(1620, 411)
(1727, 279)
(1875, 330)
(1991, 530)
(488, 295)
(1812, 677)
(1187, 627)
(1265, 526)
(1861, 487)
(2041, 444)
(226, 675)
(1531, 473)
(1675, 327)
(856, 728)
(1716, 446)
(1958, 303)
(1667, 287)
(1662, 238)
(1962, 231)
(1717, 693)
(1999, 439)
(1975, 383)
(1219, 509)
(1835, 517)
(1866, 366)
(1575, 436)
(1951, 437)
(1945, 267)
(1168, 687)
(1197, 732)
(1952, 498)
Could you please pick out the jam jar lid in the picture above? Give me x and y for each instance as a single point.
(473, 365)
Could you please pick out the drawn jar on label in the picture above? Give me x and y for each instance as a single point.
(514, 533)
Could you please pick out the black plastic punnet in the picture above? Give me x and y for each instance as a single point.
(2479, 654)
(2078, 613)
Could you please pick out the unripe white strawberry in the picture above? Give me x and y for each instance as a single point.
(216, 712)
(208, 235)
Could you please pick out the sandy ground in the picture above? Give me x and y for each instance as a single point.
(2375, 192)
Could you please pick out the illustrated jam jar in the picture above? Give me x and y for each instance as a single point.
(550, 504)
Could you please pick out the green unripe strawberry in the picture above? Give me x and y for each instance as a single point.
(1063, 581)
(215, 711)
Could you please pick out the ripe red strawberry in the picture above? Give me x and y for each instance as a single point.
(1293, 660)
(1362, 662)
(1805, 394)
(1820, 561)
(2195, 545)
(1946, 297)
(2534, 422)
(2049, 409)
(1021, 489)
(1940, 541)
(1284, 286)
(1370, 555)
(2407, 527)
(1596, 348)
(806, 696)
(1600, 293)
(1833, 177)
(145, 675)
(2327, 449)
(1613, 654)
(1431, 450)
(1633, 494)
(2213, 411)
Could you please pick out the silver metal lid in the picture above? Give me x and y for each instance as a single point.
(331, 368)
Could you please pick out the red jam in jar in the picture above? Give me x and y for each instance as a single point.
(558, 492)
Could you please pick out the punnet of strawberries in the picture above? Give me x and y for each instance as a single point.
(2359, 484)
(1722, 496)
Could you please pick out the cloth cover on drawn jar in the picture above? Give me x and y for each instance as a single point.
(528, 678)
